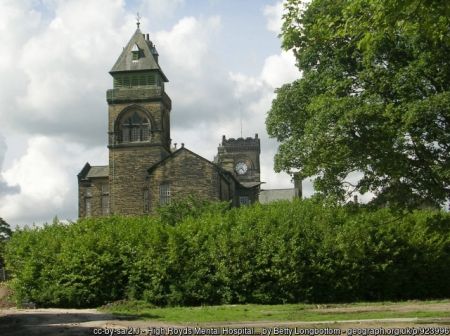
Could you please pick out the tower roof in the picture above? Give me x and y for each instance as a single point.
(147, 60)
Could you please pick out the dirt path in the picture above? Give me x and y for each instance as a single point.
(80, 322)
(73, 322)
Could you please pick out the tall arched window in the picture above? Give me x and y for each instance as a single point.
(134, 127)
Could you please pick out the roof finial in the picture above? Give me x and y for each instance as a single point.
(138, 17)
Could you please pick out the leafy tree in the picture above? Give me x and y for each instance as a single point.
(299, 251)
(373, 99)
(5, 234)
(190, 206)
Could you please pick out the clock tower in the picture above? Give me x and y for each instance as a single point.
(241, 158)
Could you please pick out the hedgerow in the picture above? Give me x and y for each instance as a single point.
(301, 251)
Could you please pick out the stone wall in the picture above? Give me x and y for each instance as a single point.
(128, 162)
(159, 118)
(231, 151)
(128, 176)
(93, 190)
(187, 174)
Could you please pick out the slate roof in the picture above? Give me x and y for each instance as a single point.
(173, 154)
(247, 185)
(251, 184)
(146, 61)
(98, 171)
(89, 171)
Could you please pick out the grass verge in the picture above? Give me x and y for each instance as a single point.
(281, 313)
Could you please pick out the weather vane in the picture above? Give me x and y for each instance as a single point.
(138, 17)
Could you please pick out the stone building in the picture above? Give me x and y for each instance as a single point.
(286, 194)
(145, 171)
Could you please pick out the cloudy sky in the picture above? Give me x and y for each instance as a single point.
(222, 58)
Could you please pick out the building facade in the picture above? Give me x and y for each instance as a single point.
(144, 170)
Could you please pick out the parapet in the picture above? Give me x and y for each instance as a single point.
(241, 143)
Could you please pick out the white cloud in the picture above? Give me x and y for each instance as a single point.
(257, 94)
(186, 46)
(4, 187)
(159, 9)
(274, 14)
(46, 174)
(56, 67)
(54, 74)
(280, 69)
(199, 87)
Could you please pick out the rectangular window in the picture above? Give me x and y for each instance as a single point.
(244, 200)
(105, 205)
(88, 192)
(134, 80)
(144, 134)
(118, 81)
(126, 82)
(126, 134)
(88, 208)
(105, 189)
(164, 194)
(135, 136)
(146, 201)
(142, 80)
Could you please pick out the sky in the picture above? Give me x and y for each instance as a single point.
(222, 57)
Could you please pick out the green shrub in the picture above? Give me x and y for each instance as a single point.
(192, 254)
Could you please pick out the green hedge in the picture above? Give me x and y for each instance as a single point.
(302, 251)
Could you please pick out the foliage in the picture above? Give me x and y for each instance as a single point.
(373, 99)
(5, 230)
(5, 234)
(191, 206)
(283, 252)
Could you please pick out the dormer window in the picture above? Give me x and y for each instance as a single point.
(135, 53)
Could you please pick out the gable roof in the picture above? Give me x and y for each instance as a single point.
(219, 168)
(176, 153)
(146, 61)
(89, 171)
(98, 171)
(82, 174)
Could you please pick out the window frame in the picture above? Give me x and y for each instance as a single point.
(244, 200)
(134, 127)
(164, 193)
(146, 200)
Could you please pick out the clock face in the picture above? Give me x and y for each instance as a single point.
(241, 168)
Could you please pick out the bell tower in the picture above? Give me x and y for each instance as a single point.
(138, 123)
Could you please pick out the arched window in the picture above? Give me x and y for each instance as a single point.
(134, 127)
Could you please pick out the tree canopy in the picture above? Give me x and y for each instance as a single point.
(5, 234)
(5, 230)
(373, 101)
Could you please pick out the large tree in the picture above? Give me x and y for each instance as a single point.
(373, 101)
(5, 234)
